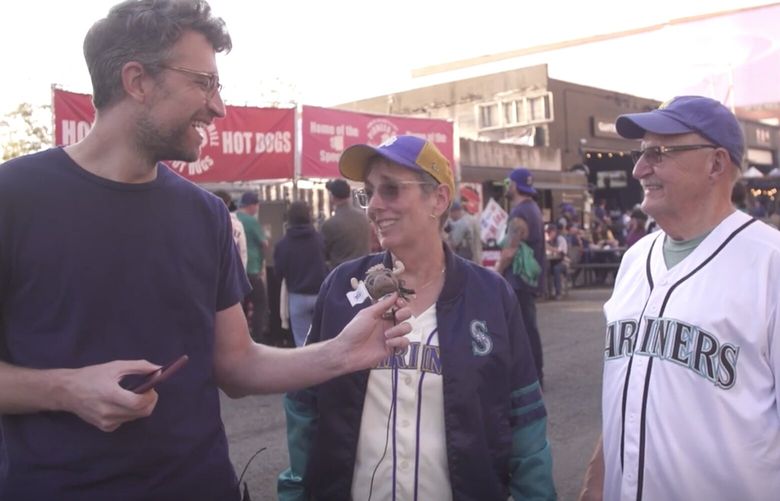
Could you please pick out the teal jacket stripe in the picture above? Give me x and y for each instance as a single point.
(531, 461)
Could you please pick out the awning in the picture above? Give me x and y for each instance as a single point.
(543, 179)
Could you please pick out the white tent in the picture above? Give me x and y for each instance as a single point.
(752, 173)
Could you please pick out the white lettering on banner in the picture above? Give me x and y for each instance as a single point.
(318, 128)
(273, 142)
(247, 142)
(74, 131)
(337, 143)
(236, 142)
(210, 136)
(352, 131)
(329, 157)
(380, 130)
(195, 168)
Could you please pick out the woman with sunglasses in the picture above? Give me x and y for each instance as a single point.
(456, 415)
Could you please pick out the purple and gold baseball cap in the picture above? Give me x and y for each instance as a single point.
(411, 152)
(683, 114)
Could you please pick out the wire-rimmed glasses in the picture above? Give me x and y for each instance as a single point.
(211, 85)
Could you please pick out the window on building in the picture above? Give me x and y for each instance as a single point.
(488, 115)
(510, 112)
(517, 112)
(539, 109)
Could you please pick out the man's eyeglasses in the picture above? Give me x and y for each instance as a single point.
(211, 83)
(654, 155)
(389, 192)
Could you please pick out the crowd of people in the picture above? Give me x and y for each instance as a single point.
(417, 373)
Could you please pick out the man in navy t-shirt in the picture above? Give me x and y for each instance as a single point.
(113, 265)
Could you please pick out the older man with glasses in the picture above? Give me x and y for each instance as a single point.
(692, 345)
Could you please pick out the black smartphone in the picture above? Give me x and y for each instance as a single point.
(141, 383)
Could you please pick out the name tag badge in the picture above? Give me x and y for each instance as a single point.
(358, 295)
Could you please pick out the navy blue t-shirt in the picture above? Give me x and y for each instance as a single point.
(93, 271)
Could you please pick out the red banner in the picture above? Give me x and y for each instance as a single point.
(248, 144)
(327, 132)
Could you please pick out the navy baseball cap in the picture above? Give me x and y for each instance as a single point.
(524, 180)
(411, 152)
(248, 198)
(683, 114)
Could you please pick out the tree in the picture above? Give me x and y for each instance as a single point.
(25, 130)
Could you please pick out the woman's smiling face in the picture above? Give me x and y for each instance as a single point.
(398, 205)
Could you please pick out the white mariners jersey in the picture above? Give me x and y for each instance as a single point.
(692, 370)
(410, 451)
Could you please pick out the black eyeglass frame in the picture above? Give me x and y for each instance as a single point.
(657, 152)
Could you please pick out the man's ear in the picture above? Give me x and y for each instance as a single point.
(720, 163)
(134, 80)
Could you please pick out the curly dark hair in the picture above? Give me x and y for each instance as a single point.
(144, 31)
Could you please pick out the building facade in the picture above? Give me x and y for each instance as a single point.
(564, 132)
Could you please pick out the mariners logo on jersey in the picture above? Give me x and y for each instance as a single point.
(678, 342)
(424, 357)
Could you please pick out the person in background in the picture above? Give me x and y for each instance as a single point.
(347, 233)
(602, 248)
(238, 229)
(256, 302)
(299, 260)
(112, 264)
(600, 211)
(568, 215)
(521, 193)
(557, 257)
(461, 233)
(458, 415)
(636, 227)
(602, 237)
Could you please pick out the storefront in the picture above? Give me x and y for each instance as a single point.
(610, 175)
(554, 188)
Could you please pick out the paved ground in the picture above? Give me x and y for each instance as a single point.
(572, 334)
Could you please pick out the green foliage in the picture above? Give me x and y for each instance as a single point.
(25, 130)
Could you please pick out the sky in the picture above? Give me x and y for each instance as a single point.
(328, 52)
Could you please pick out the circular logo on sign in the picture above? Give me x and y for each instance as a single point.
(380, 130)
